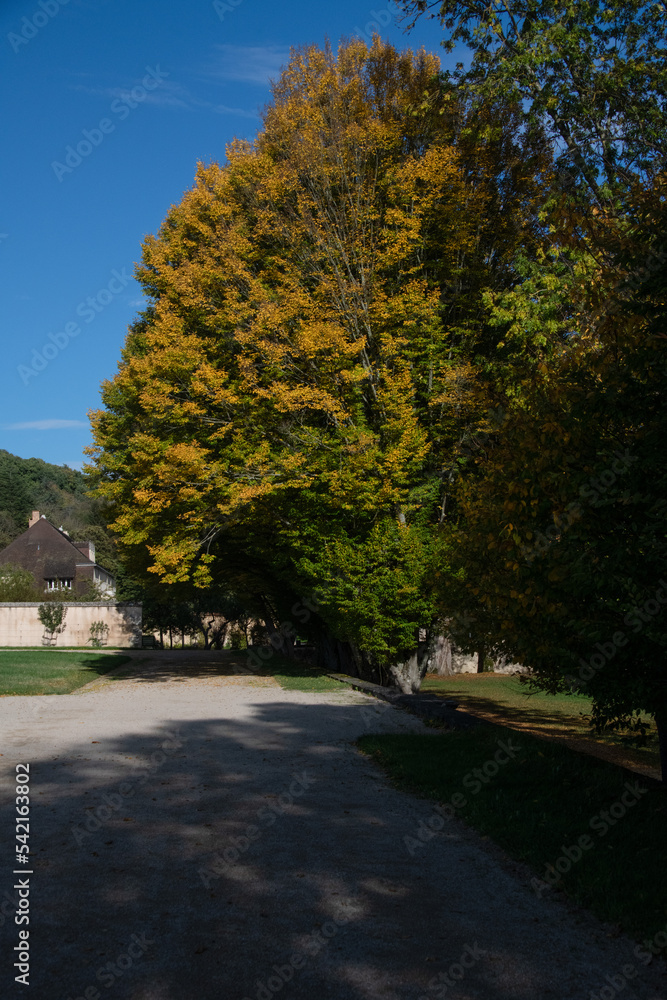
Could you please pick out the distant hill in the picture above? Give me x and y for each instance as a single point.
(28, 484)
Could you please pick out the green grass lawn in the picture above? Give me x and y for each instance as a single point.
(295, 675)
(49, 671)
(515, 704)
(537, 806)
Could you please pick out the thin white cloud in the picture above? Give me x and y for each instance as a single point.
(170, 95)
(223, 109)
(181, 99)
(188, 102)
(249, 63)
(45, 425)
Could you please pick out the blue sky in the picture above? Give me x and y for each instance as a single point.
(112, 104)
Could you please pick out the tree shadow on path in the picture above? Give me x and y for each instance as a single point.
(262, 856)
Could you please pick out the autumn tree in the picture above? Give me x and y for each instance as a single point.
(561, 532)
(287, 411)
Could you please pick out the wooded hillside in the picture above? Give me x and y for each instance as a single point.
(28, 484)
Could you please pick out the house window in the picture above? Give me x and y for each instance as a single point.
(59, 583)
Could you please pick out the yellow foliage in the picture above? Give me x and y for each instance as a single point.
(296, 339)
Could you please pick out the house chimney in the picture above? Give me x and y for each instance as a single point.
(87, 549)
(34, 519)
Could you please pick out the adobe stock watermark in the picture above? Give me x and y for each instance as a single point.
(616, 983)
(312, 946)
(108, 974)
(221, 864)
(225, 8)
(88, 309)
(94, 137)
(31, 26)
(381, 19)
(601, 824)
(100, 815)
(440, 984)
(473, 782)
(606, 651)
(592, 491)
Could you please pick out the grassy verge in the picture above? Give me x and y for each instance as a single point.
(55, 649)
(296, 675)
(514, 704)
(538, 806)
(50, 671)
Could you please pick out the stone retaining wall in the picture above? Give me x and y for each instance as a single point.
(20, 624)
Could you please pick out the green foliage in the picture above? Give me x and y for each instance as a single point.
(52, 616)
(237, 639)
(559, 543)
(184, 610)
(58, 492)
(288, 411)
(594, 74)
(28, 484)
(17, 584)
(99, 632)
(373, 591)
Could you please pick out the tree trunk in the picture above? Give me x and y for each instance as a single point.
(440, 657)
(339, 657)
(481, 657)
(281, 639)
(409, 674)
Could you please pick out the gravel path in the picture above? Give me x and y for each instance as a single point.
(205, 836)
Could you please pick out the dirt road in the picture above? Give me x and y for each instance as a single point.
(202, 836)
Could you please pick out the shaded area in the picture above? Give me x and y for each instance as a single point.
(224, 846)
(433, 709)
(154, 666)
(554, 797)
(506, 701)
(298, 674)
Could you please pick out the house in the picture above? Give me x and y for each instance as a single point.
(56, 562)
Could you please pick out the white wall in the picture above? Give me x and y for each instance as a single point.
(20, 624)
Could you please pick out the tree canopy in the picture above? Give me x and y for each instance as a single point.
(288, 409)
(404, 357)
(560, 536)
